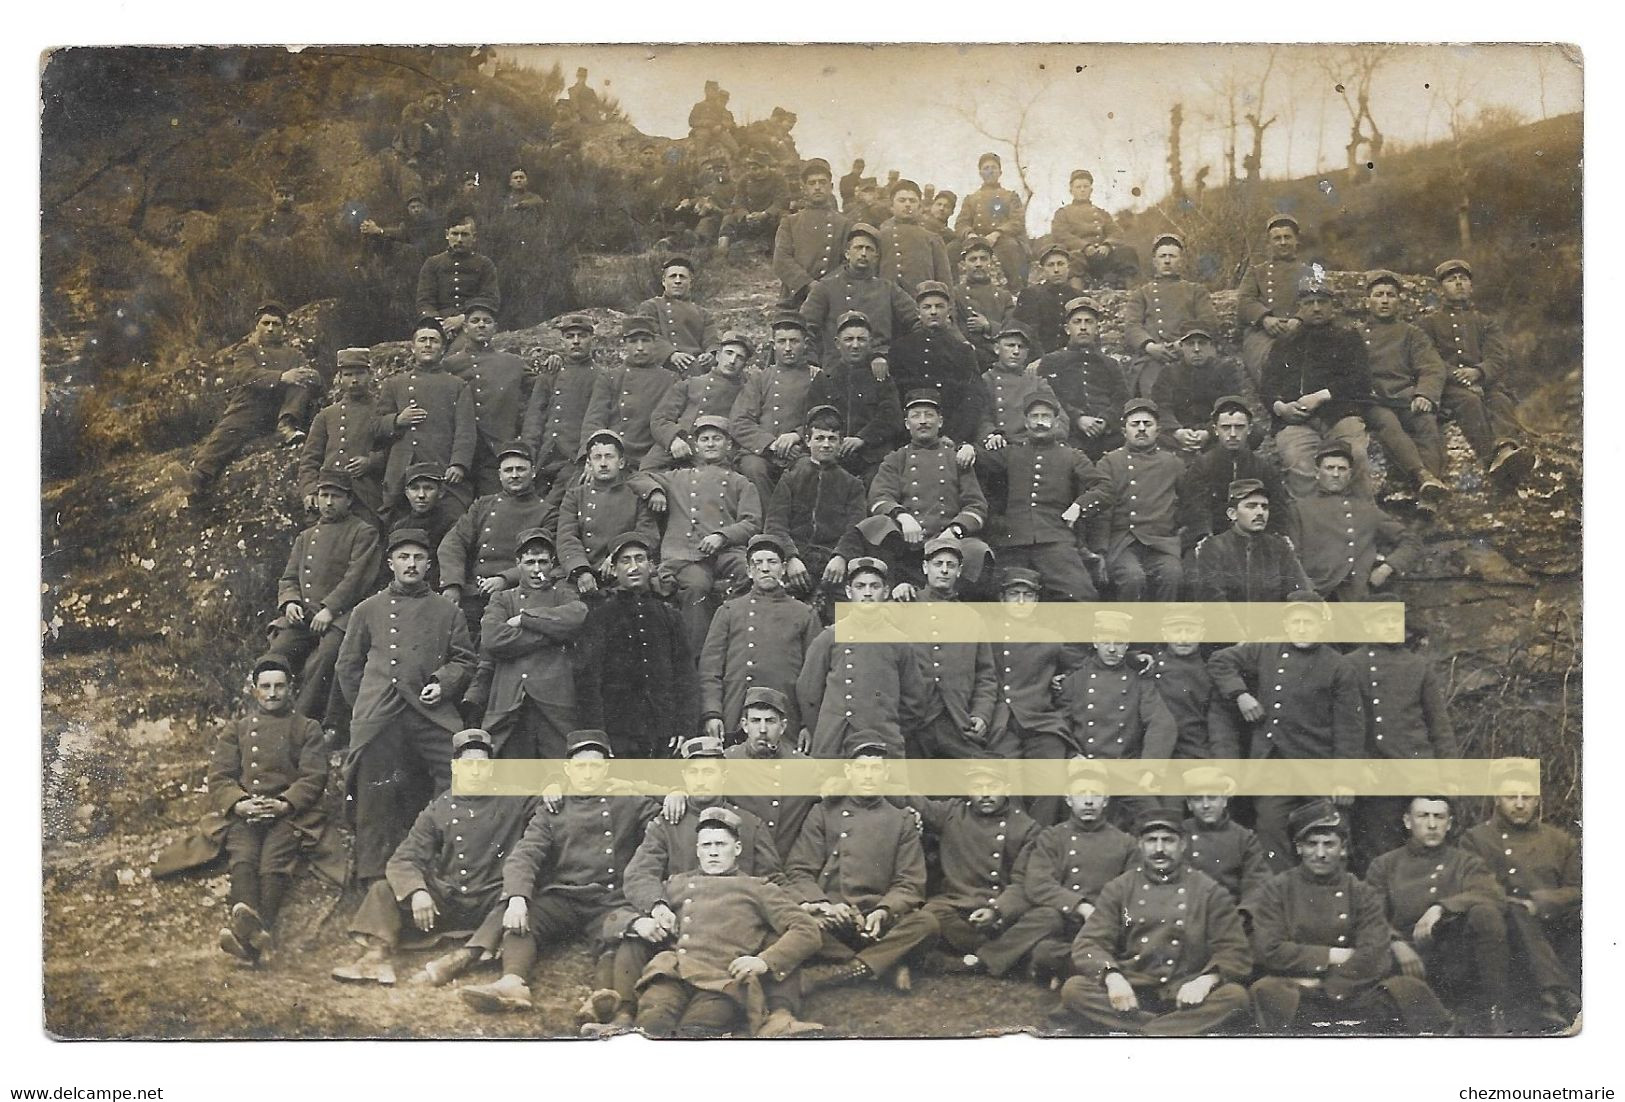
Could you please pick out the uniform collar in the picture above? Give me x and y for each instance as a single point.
(414, 589)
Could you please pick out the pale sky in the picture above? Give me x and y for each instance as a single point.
(1104, 108)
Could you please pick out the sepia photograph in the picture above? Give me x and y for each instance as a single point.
(812, 541)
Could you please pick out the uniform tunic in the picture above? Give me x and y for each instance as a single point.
(1413, 878)
(447, 283)
(1337, 537)
(870, 408)
(624, 399)
(1162, 933)
(669, 849)
(1204, 721)
(708, 395)
(1005, 408)
(1310, 697)
(1022, 673)
(1079, 225)
(331, 566)
(758, 639)
(397, 642)
(1404, 364)
(856, 686)
(769, 405)
(813, 508)
(261, 754)
(1089, 384)
(1327, 357)
(783, 814)
(944, 361)
(1071, 863)
(481, 544)
(446, 437)
(910, 254)
(705, 500)
(1405, 705)
(1466, 337)
(891, 313)
(1115, 712)
(862, 851)
(497, 380)
(982, 857)
(1245, 566)
(808, 244)
(553, 417)
(637, 674)
(341, 432)
(1043, 479)
(1164, 310)
(1228, 852)
(579, 851)
(456, 849)
(1185, 394)
(1140, 499)
(1299, 918)
(593, 514)
(682, 324)
(532, 660)
(927, 482)
(1269, 289)
(1207, 491)
(1042, 308)
(957, 686)
(1535, 861)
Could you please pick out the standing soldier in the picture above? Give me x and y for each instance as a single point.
(996, 214)
(807, 245)
(1163, 953)
(405, 661)
(559, 405)
(624, 397)
(496, 380)
(859, 869)
(813, 512)
(477, 555)
(954, 711)
(1319, 934)
(450, 281)
(1140, 510)
(689, 329)
(868, 403)
(598, 511)
(771, 408)
(1158, 313)
(1349, 545)
(910, 254)
(1267, 298)
(432, 881)
(1407, 378)
(1089, 383)
(271, 378)
(758, 639)
(636, 675)
(564, 876)
(333, 564)
(525, 686)
(858, 287)
(428, 416)
(343, 436)
(709, 395)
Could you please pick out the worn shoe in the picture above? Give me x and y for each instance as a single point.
(230, 943)
(507, 994)
(445, 968)
(246, 924)
(290, 436)
(621, 1022)
(781, 1023)
(1430, 493)
(373, 966)
(816, 977)
(600, 1006)
(1512, 464)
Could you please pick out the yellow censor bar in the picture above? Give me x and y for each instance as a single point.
(1129, 622)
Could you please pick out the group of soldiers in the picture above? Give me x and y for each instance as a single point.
(561, 560)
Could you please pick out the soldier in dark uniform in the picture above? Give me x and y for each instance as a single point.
(1446, 913)
(496, 381)
(1209, 476)
(266, 778)
(333, 564)
(1163, 953)
(868, 404)
(636, 668)
(808, 244)
(344, 436)
(564, 876)
(1185, 392)
(598, 511)
(423, 504)
(525, 684)
(936, 356)
(1206, 723)
(428, 416)
(1321, 936)
(1041, 306)
(1246, 562)
(477, 556)
(982, 304)
(765, 727)
(558, 404)
(813, 512)
(953, 714)
(1217, 844)
(432, 881)
(449, 281)
(859, 870)
(405, 661)
(271, 381)
(1089, 383)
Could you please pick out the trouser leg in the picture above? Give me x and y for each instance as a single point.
(1021, 937)
(245, 842)
(1255, 349)
(431, 744)
(380, 915)
(1473, 945)
(248, 414)
(661, 1005)
(1423, 429)
(1418, 1008)
(1526, 937)
(1127, 575)
(906, 935)
(316, 678)
(952, 928)
(385, 800)
(1061, 567)
(1047, 748)
(1385, 425)
(708, 1014)
(1086, 997)
(1466, 408)
(279, 859)
(695, 581)
(1223, 1002)
(1272, 813)
(552, 919)
(295, 406)
(1275, 1003)
(1502, 414)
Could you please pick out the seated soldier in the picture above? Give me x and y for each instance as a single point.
(1163, 953)
(766, 743)
(624, 397)
(525, 684)
(558, 404)
(1206, 724)
(1477, 395)
(759, 638)
(1089, 383)
(1041, 306)
(1209, 476)
(1089, 233)
(1009, 386)
(760, 201)
(770, 410)
(1046, 491)
(1446, 915)
(423, 504)
(910, 253)
(476, 557)
(1186, 390)
(343, 436)
(497, 381)
(1348, 544)
(1407, 378)
(332, 566)
(1138, 510)
(1156, 314)
(1217, 844)
(1067, 866)
(813, 511)
(1538, 866)
(936, 356)
(950, 717)
(982, 846)
(859, 870)
(998, 215)
(712, 512)
(1267, 297)
(1246, 562)
(598, 511)
(858, 287)
(1320, 936)
(428, 417)
(982, 304)
(267, 775)
(564, 876)
(689, 329)
(736, 928)
(709, 395)
(807, 244)
(868, 402)
(431, 880)
(271, 381)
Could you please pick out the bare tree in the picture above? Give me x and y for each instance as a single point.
(1543, 69)
(1226, 90)
(1253, 163)
(1176, 171)
(1351, 71)
(1454, 96)
(1014, 130)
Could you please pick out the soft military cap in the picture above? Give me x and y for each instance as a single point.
(402, 536)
